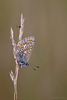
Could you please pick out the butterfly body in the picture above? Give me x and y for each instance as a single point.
(24, 50)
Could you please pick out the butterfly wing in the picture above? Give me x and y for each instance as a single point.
(25, 48)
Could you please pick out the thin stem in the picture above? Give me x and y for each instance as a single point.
(14, 95)
(14, 77)
(15, 82)
(21, 27)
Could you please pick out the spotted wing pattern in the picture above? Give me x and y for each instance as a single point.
(24, 47)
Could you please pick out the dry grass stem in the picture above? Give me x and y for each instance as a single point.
(14, 76)
(21, 28)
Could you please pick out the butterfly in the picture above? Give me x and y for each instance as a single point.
(24, 50)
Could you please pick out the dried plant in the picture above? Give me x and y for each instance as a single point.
(14, 76)
(22, 52)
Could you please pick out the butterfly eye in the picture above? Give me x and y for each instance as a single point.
(27, 64)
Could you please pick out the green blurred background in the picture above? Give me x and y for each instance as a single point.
(47, 21)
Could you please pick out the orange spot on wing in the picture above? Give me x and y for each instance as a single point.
(29, 45)
(28, 42)
(31, 40)
(20, 44)
(23, 43)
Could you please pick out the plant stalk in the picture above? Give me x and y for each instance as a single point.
(15, 82)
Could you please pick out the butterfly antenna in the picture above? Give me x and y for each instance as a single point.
(32, 67)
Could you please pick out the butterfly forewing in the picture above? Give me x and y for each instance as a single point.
(25, 47)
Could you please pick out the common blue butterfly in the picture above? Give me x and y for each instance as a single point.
(24, 50)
